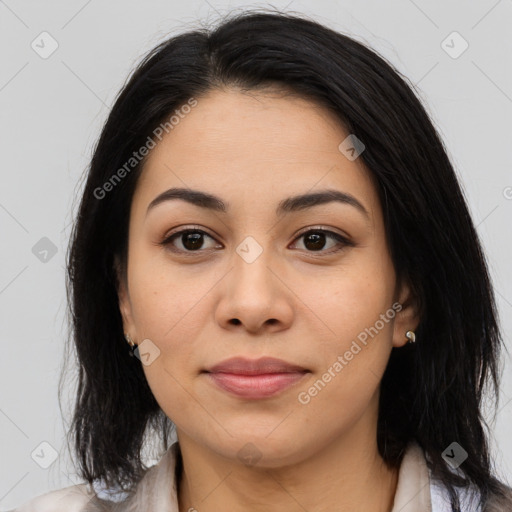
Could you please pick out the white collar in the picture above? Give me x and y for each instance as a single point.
(413, 488)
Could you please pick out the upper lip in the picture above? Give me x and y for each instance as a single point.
(244, 366)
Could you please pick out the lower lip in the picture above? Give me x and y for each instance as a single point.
(255, 386)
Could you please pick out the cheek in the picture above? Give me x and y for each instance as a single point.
(355, 307)
(169, 373)
(166, 308)
(170, 391)
(353, 361)
(163, 298)
(352, 300)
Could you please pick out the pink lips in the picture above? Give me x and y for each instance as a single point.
(255, 379)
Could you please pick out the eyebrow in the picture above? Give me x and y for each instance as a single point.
(291, 204)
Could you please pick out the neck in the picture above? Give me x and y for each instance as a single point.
(346, 475)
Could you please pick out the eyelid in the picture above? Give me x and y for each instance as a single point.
(181, 229)
(321, 227)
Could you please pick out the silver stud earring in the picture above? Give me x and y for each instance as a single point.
(411, 336)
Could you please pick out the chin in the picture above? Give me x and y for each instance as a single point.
(260, 451)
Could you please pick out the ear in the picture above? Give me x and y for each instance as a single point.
(407, 317)
(125, 307)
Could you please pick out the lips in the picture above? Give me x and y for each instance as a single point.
(255, 379)
(262, 366)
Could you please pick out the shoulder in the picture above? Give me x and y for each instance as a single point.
(68, 499)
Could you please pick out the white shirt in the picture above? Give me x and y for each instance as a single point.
(416, 490)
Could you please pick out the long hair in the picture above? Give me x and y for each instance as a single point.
(432, 390)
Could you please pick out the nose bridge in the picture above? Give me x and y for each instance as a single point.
(253, 294)
(252, 260)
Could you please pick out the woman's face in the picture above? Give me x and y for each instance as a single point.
(267, 277)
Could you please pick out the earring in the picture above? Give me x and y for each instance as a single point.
(411, 336)
(132, 344)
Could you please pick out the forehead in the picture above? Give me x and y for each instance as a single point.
(254, 145)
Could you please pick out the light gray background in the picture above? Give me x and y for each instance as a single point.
(51, 113)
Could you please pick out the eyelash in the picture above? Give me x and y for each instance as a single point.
(167, 241)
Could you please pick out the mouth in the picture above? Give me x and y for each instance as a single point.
(264, 365)
(255, 379)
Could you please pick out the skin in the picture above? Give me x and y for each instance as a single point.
(299, 304)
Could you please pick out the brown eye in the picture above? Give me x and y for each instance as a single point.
(191, 240)
(315, 240)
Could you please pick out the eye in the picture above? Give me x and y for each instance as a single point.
(315, 240)
(191, 240)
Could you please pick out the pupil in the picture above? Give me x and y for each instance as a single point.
(192, 240)
(318, 240)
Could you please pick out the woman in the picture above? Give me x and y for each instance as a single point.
(272, 223)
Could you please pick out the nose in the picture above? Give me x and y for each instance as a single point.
(255, 296)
